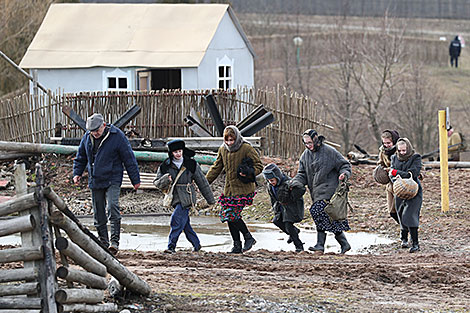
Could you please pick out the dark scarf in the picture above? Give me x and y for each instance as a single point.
(409, 150)
(395, 136)
(317, 140)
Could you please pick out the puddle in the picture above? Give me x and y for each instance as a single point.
(150, 233)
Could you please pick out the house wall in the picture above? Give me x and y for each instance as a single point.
(83, 79)
(227, 44)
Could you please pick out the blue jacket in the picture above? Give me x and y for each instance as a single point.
(114, 153)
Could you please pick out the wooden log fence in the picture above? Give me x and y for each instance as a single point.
(35, 288)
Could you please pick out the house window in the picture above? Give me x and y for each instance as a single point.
(225, 77)
(118, 83)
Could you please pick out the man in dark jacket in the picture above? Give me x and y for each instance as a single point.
(105, 150)
(454, 51)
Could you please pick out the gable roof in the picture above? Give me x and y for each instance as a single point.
(123, 35)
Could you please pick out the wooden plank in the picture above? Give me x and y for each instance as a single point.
(18, 224)
(77, 295)
(86, 278)
(80, 257)
(19, 289)
(21, 254)
(18, 274)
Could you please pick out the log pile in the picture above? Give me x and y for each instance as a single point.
(43, 286)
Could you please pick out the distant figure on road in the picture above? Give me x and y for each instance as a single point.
(454, 51)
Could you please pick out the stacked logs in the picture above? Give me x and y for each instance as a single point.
(35, 288)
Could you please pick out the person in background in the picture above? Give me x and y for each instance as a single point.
(406, 162)
(454, 142)
(105, 151)
(241, 163)
(454, 51)
(287, 203)
(386, 150)
(321, 167)
(180, 159)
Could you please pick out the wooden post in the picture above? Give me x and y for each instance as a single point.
(77, 295)
(19, 289)
(86, 278)
(87, 308)
(47, 274)
(21, 254)
(18, 274)
(125, 277)
(80, 257)
(18, 224)
(443, 154)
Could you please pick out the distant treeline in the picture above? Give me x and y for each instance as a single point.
(452, 9)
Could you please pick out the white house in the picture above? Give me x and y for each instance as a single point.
(115, 47)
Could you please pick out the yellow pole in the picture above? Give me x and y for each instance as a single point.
(444, 161)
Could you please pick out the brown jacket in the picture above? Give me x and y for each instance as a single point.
(229, 162)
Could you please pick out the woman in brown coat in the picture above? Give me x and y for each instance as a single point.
(241, 163)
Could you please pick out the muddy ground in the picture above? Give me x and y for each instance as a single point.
(385, 278)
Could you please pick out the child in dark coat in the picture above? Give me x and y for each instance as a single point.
(287, 203)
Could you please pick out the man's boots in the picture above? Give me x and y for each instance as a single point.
(414, 238)
(320, 246)
(404, 238)
(103, 235)
(237, 247)
(115, 236)
(249, 241)
(290, 240)
(341, 238)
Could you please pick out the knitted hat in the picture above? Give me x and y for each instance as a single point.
(272, 171)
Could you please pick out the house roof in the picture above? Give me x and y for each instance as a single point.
(123, 35)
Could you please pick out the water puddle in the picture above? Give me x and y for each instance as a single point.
(150, 233)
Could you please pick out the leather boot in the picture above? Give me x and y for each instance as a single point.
(115, 232)
(290, 240)
(414, 239)
(299, 246)
(320, 245)
(103, 235)
(404, 238)
(249, 242)
(341, 238)
(237, 247)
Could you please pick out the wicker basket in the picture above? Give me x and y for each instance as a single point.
(381, 175)
(405, 188)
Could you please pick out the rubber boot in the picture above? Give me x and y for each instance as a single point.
(341, 238)
(299, 246)
(404, 238)
(103, 235)
(249, 241)
(237, 247)
(290, 240)
(320, 245)
(414, 238)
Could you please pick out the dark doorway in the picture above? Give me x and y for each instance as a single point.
(166, 79)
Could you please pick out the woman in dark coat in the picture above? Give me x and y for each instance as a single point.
(184, 193)
(405, 163)
(287, 203)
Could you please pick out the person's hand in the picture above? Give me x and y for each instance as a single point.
(341, 176)
(76, 179)
(136, 186)
(241, 174)
(390, 172)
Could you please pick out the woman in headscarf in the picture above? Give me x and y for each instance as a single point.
(386, 150)
(241, 163)
(405, 162)
(321, 167)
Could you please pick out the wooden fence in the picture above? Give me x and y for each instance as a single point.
(24, 118)
(42, 216)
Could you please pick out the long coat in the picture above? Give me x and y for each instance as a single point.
(229, 161)
(292, 211)
(409, 210)
(181, 194)
(320, 171)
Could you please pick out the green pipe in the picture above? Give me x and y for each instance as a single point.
(61, 149)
